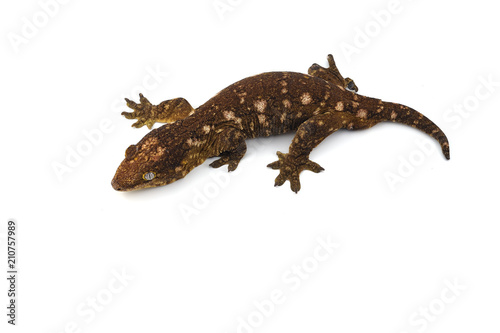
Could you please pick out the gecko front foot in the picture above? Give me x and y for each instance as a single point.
(229, 159)
(144, 112)
(166, 112)
(290, 168)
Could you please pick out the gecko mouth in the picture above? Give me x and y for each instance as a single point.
(121, 186)
(124, 186)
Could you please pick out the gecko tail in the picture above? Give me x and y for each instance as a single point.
(405, 115)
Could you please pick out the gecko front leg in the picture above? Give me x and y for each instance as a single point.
(166, 112)
(308, 136)
(230, 147)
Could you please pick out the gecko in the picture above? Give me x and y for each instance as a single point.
(314, 105)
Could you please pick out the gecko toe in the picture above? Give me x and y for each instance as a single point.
(314, 167)
(131, 104)
(217, 164)
(274, 165)
(138, 124)
(295, 183)
(128, 115)
(232, 166)
(280, 180)
(144, 100)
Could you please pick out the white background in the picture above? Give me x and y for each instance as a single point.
(200, 252)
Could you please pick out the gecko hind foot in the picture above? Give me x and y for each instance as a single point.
(332, 74)
(290, 168)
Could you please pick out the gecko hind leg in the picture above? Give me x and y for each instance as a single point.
(166, 112)
(309, 134)
(332, 74)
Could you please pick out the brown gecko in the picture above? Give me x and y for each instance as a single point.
(314, 105)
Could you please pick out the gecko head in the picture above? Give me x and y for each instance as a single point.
(163, 156)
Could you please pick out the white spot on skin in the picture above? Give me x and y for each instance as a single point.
(206, 129)
(262, 119)
(362, 113)
(260, 105)
(306, 98)
(157, 155)
(242, 100)
(283, 117)
(229, 115)
(339, 106)
(192, 142)
(394, 115)
(284, 91)
(287, 104)
(150, 142)
(284, 83)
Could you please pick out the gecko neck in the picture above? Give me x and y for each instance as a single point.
(201, 134)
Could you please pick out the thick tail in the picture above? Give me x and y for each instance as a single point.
(405, 115)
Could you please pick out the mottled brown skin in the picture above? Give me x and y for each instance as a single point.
(314, 105)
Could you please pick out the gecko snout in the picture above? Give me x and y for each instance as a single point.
(116, 185)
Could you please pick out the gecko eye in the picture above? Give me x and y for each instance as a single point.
(149, 176)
